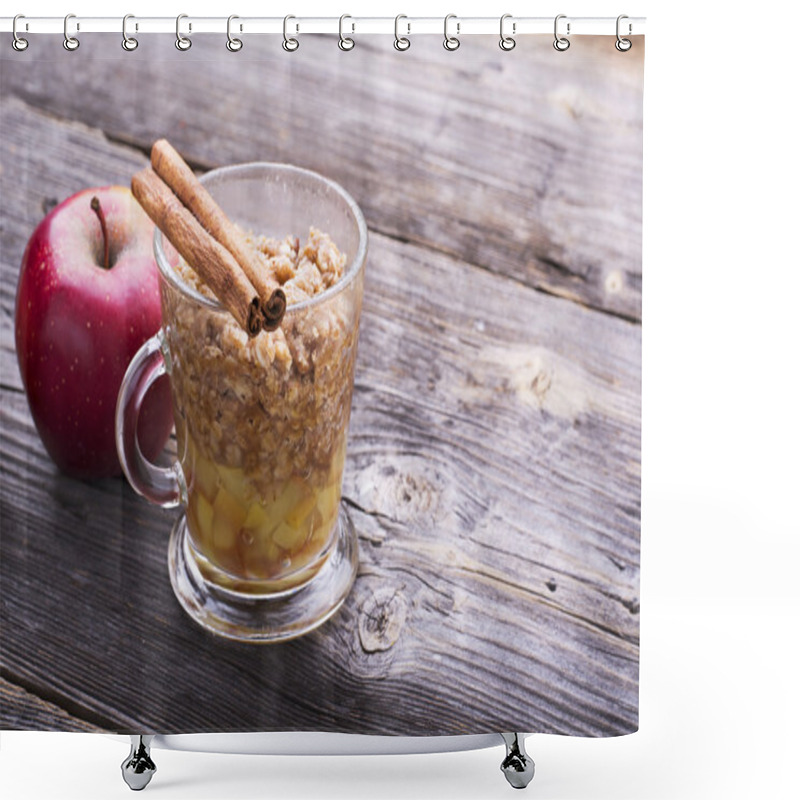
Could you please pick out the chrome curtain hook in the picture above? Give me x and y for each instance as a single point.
(182, 42)
(623, 45)
(129, 43)
(233, 44)
(18, 43)
(507, 42)
(561, 43)
(451, 42)
(290, 44)
(345, 42)
(70, 42)
(401, 42)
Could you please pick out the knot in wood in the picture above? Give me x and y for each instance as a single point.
(381, 620)
(541, 383)
(414, 495)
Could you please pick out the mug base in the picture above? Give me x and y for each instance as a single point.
(270, 617)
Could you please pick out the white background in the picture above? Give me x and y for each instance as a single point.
(720, 600)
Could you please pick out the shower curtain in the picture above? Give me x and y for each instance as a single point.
(491, 476)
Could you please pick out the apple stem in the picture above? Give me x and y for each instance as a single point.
(98, 209)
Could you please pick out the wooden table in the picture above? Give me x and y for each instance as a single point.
(493, 469)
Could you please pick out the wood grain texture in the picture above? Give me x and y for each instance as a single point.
(22, 710)
(493, 463)
(525, 163)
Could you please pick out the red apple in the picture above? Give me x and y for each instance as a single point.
(87, 299)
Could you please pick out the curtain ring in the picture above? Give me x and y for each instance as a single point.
(507, 42)
(561, 43)
(129, 43)
(451, 42)
(290, 44)
(182, 42)
(401, 42)
(623, 45)
(70, 42)
(18, 43)
(345, 42)
(233, 44)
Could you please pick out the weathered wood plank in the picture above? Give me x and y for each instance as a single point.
(21, 710)
(493, 475)
(109, 634)
(409, 134)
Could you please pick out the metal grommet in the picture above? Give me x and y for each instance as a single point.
(507, 42)
(451, 42)
(182, 42)
(623, 45)
(401, 42)
(129, 43)
(290, 44)
(345, 42)
(561, 43)
(18, 43)
(70, 42)
(233, 44)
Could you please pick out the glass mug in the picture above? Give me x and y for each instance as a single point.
(265, 550)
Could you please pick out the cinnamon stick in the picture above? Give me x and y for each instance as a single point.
(177, 174)
(212, 262)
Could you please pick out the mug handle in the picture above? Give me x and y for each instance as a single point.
(164, 486)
